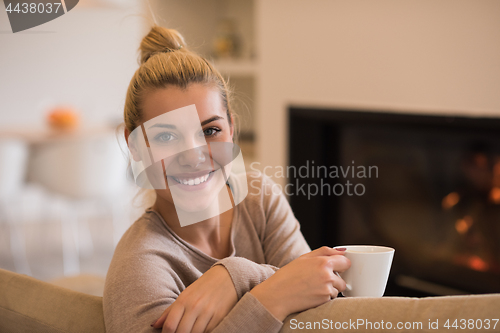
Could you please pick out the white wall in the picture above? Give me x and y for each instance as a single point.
(84, 58)
(422, 56)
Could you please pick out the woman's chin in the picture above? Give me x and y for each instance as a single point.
(184, 208)
(195, 201)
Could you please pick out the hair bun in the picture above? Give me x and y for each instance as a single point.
(160, 39)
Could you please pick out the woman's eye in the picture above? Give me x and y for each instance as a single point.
(164, 137)
(211, 131)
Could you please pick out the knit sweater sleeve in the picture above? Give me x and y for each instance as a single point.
(279, 234)
(132, 307)
(138, 289)
(249, 316)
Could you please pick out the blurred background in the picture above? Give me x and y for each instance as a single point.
(65, 197)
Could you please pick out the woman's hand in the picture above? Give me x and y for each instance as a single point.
(306, 282)
(202, 305)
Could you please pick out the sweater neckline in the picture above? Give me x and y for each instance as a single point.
(193, 248)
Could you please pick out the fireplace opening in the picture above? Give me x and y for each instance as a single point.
(435, 197)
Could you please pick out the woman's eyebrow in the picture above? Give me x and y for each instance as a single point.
(203, 123)
(163, 126)
(209, 120)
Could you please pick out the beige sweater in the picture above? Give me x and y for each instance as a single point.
(151, 265)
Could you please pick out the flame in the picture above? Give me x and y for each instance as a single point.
(450, 200)
(473, 262)
(478, 264)
(463, 225)
(495, 195)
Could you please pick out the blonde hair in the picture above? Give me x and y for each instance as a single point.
(165, 60)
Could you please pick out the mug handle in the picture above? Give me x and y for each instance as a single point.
(347, 286)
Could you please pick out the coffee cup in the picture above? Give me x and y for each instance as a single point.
(369, 271)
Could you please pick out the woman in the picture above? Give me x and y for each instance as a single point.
(242, 270)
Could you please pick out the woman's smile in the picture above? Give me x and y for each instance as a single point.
(191, 181)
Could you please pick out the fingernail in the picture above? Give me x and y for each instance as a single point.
(340, 248)
(154, 322)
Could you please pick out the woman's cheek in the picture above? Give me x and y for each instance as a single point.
(156, 176)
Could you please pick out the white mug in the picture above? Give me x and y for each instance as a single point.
(369, 271)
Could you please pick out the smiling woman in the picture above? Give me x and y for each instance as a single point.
(231, 266)
(181, 143)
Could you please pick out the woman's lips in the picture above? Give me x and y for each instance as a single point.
(191, 182)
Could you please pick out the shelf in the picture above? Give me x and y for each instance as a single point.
(41, 135)
(236, 67)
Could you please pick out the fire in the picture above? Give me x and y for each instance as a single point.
(495, 189)
(495, 195)
(450, 200)
(473, 262)
(463, 225)
(478, 264)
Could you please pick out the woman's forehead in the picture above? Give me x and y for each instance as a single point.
(207, 100)
(185, 119)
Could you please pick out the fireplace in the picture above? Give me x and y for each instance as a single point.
(433, 195)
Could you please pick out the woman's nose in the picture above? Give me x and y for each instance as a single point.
(192, 157)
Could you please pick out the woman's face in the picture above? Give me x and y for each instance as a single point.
(177, 136)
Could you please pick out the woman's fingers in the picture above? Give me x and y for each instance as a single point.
(193, 310)
(201, 324)
(187, 322)
(334, 291)
(339, 263)
(338, 283)
(214, 321)
(173, 318)
(336, 262)
(159, 322)
(325, 251)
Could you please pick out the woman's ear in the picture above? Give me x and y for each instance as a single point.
(232, 127)
(131, 146)
(126, 132)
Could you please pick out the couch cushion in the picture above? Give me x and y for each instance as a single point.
(344, 312)
(84, 283)
(30, 305)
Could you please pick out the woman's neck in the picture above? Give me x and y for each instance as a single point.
(212, 236)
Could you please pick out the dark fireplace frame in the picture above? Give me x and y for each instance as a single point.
(314, 135)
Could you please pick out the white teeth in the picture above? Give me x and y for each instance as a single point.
(193, 181)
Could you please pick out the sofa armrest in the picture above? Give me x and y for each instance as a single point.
(30, 305)
(345, 313)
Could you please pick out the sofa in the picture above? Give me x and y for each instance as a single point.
(30, 305)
